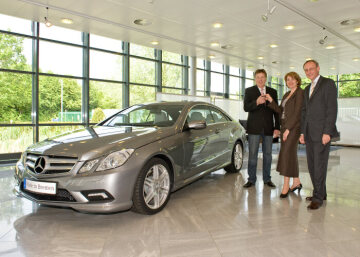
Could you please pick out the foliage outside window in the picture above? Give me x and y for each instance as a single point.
(142, 71)
(142, 94)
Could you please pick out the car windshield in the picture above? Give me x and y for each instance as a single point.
(159, 115)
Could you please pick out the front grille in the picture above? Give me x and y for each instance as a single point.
(62, 195)
(43, 164)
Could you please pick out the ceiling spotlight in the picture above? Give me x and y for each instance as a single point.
(273, 45)
(356, 59)
(322, 40)
(292, 67)
(46, 19)
(217, 25)
(269, 11)
(357, 29)
(214, 44)
(154, 43)
(330, 47)
(308, 59)
(333, 68)
(211, 56)
(260, 57)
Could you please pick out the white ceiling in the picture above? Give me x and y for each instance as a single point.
(185, 26)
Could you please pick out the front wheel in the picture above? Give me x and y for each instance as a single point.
(236, 159)
(152, 187)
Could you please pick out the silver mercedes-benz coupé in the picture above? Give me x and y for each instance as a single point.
(133, 159)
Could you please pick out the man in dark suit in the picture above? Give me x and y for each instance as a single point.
(260, 125)
(318, 120)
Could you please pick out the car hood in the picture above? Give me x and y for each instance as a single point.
(96, 141)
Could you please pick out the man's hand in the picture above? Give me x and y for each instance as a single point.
(268, 98)
(302, 139)
(285, 135)
(276, 133)
(325, 139)
(260, 100)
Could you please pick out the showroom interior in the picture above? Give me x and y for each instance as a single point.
(68, 65)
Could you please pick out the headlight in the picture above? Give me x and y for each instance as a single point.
(88, 166)
(115, 159)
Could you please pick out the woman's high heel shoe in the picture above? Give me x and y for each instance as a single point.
(298, 187)
(285, 195)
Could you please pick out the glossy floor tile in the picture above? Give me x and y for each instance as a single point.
(212, 217)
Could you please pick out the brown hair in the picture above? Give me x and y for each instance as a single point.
(260, 71)
(295, 76)
(313, 61)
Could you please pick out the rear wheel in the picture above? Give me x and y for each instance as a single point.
(236, 159)
(152, 188)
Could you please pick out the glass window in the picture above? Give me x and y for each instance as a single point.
(218, 116)
(349, 89)
(105, 100)
(51, 131)
(200, 80)
(173, 91)
(249, 74)
(249, 83)
(105, 65)
(15, 139)
(234, 85)
(171, 57)
(217, 82)
(106, 43)
(142, 71)
(59, 99)
(15, 52)
(217, 67)
(198, 113)
(142, 51)
(60, 34)
(60, 59)
(200, 63)
(142, 94)
(15, 97)
(234, 71)
(171, 75)
(18, 25)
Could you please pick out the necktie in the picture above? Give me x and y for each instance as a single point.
(262, 91)
(312, 88)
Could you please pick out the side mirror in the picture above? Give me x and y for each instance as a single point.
(197, 124)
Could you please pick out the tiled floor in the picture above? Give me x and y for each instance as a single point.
(212, 217)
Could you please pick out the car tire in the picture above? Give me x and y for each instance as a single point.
(236, 159)
(152, 188)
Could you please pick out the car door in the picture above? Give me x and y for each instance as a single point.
(222, 148)
(198, 143)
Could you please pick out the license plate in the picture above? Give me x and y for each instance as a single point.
(40, 187)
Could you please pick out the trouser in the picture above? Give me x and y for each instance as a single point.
(254, 141)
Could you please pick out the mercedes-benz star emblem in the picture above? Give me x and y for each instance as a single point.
(39, 165)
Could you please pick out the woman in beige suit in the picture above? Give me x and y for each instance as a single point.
(290, 115)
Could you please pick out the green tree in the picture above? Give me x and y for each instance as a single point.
(349, 88)
(98, 115)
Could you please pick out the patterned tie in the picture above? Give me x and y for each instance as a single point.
(262, 91)
(312, 88)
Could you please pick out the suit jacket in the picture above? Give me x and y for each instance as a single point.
(319, 111)
(261, 118)
(292, 108)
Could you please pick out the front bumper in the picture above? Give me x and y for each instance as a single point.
(72, 189)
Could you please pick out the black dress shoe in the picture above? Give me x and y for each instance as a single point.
(248, 184)
(298, 187)
(270, 184)
(285, 195)
(309, 198)
(314, 205)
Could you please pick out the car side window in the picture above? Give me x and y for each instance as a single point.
(218, 116)
(197, 113)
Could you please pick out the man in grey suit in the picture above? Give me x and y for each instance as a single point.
(318, 120)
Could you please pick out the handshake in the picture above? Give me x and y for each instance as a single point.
(263, 98)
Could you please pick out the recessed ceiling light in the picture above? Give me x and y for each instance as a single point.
(356, 59)
(260, 57)
(273, 45)
(308, 58)
(211, 56)
(67, 21)
(154, 42)
(142, 22)
(330, 47)
(217, 25)
(292, 67)
(214, 44)
(289, 27)
(357, 29)
(332, 68)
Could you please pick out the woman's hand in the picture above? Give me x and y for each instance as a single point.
(285, 135)
(268, 98)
